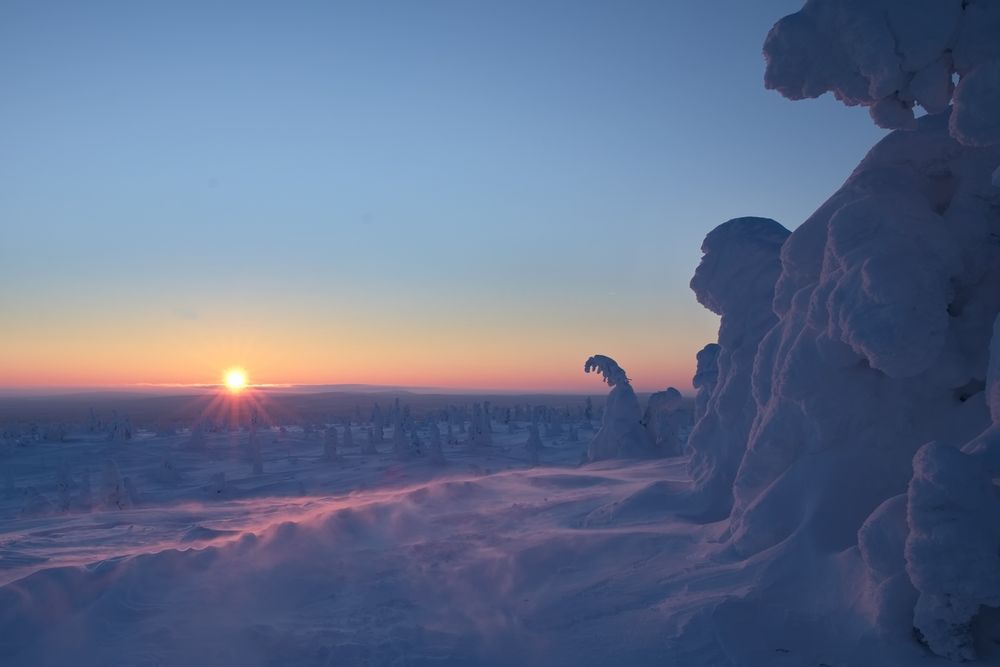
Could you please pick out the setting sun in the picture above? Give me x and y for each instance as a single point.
(236, 379)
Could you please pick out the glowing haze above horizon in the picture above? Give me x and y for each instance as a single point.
(441, 194)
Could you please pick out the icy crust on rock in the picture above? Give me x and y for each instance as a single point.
(735, 279)
(622, 433)
(890, 55)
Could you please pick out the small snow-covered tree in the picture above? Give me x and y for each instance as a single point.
(534, 444)
(621, 434)
(435, 453)
(368, 448)
(400, 446)
(330, 444)
(706, 378)
(664, 418)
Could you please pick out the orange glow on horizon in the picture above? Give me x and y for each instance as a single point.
(366, 349)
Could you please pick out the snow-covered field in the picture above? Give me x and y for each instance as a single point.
(828, 499)
(372, 560)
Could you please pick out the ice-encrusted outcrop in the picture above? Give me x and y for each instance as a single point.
(622, 433)
(735, 280)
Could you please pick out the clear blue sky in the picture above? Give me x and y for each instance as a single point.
(522, 183)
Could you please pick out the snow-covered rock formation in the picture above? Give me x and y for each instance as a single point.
(622, 433)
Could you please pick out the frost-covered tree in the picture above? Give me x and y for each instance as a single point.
(400, 446)
(872, 373)
(94, 423)
(255, 452)
(121, 428)
(890, 55)
(348, 435)
(735, 279)
(664, 418)
(534, 444)
(330, 444)
(621, 434)
(435, 453)
(706, 377)
(368, 448)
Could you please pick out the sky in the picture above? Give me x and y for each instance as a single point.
(436, 193)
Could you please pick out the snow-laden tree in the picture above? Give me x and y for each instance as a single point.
(400, 446)
(121, 428)
(435, 453)
(664, 418)
(621, 433)
(330, 444)
(255, 452)
(368, 447)
(479, 434)
(534, 444)
(872, 375)
(348, 435)
(706, 377)
(735, 279)
(890, 55)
